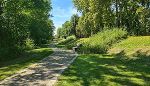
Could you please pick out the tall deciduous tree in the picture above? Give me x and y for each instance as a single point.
(74, 22)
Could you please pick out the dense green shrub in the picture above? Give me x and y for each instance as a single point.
(9, 53)
(67, 40)
(29, 44)
(74, 43)
(102, 41)
(98, 43)
(15, 51)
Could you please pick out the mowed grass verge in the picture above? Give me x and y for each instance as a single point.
(133, 45)
(9, 68)
(105, 70)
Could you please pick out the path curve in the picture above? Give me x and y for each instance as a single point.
(43, 73)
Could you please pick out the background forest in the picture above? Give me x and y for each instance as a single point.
(97, 15)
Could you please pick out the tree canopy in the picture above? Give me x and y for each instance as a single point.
(130, 14)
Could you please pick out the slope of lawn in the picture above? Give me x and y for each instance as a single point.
(133, 44)
(9, 68)
(105, 70)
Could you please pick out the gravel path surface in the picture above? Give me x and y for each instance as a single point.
(43, 73)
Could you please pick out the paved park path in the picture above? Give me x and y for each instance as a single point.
(43, 73)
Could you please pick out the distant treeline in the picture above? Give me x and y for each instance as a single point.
(132, 15)
(24, 22)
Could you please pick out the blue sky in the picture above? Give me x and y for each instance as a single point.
(62, 11)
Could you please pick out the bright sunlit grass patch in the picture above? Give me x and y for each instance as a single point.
(9, 68)
(133, 44)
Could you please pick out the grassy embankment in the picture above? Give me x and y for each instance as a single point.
(98, 43)
(133, 45)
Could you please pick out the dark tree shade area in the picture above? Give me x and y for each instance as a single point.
(24, 22)
(133, 15)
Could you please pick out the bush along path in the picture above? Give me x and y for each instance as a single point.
(45, 72)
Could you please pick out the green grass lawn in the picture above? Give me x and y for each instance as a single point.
(9, 68)
(104, 70)
(133, 44)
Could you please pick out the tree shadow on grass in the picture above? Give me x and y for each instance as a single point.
(106, 70)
